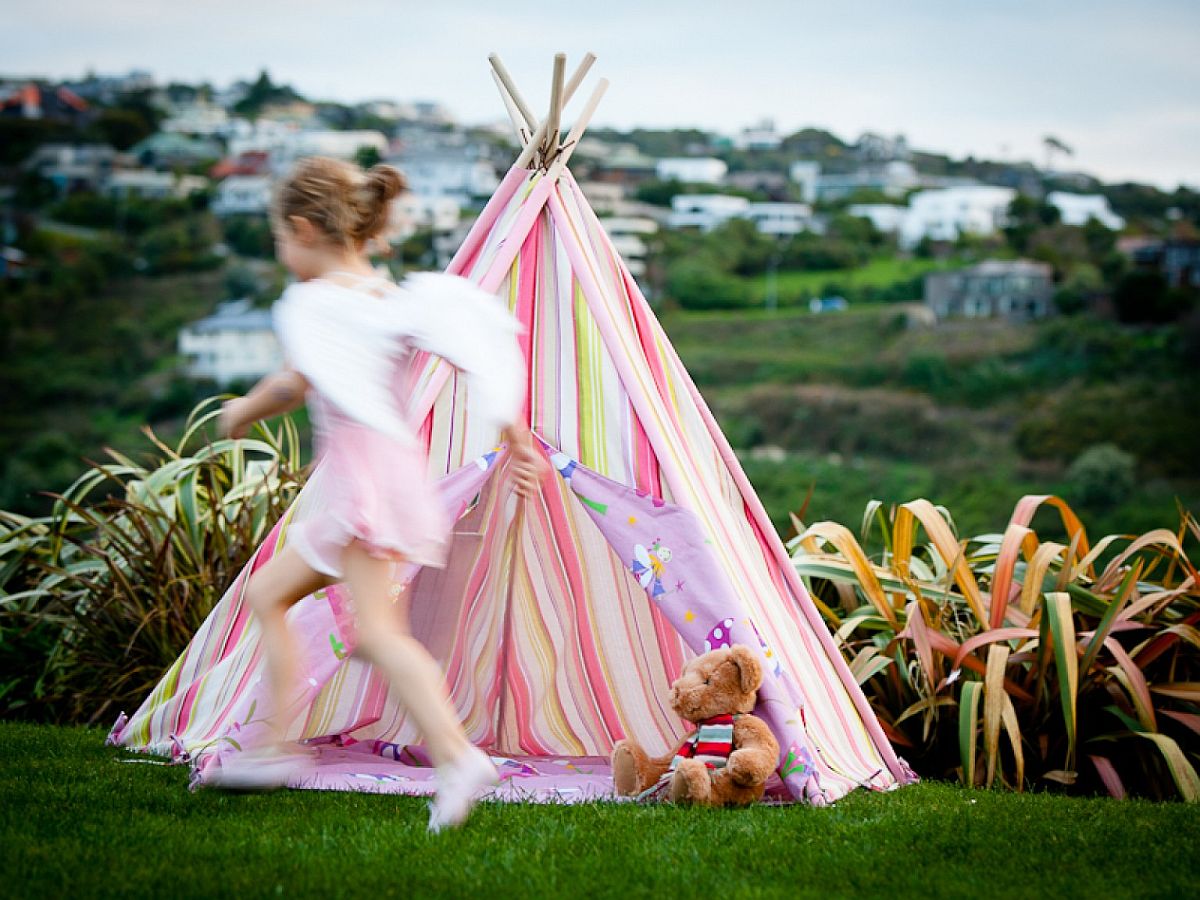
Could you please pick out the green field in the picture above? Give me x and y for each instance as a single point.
(971, 415)
(879, 272)
(78, 820)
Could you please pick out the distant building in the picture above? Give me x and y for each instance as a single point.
(414, 212)
(886, 217)
(1011, 289)
(691, 169)
(1076, 209)
(205, 119)
(463, 175)
(805, 173)
(773, 184)
(705, 211)
(892, 179)
(72, 167)
(628, 235)
(1178, 259)
(761, 136)
(943, 215)
(252, 162)
(109, 88)
(625, 165)
(236, 343)
(147, 184)
(780, 219)
(39, 100)
(709, 211)
(166, 149)
(243, 195)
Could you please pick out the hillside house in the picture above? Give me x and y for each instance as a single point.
(1017, 290)
(236, 343)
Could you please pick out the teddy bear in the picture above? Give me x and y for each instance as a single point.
(728, 759)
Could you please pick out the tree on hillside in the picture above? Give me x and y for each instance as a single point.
(264, 92)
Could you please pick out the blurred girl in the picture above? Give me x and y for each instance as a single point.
(347, 333)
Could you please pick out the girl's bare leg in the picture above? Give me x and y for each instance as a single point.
(385, 641)
(384, 638)
(272, 590)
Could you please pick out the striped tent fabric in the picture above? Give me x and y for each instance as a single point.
(561, 620)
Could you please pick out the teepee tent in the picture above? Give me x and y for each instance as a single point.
(560, 620)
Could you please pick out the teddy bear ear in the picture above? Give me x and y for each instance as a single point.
(750, 672)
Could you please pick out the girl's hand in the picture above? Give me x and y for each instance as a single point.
(526, 463)
(231, 423)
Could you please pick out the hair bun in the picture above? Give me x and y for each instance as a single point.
(386, 182)
(380, 187)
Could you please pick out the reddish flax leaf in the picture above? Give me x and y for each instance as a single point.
(1016, 536)
(1108, 774)
(1028, 505)
(990, 637)
(1188, 720)
(1180, 690)
(1134, 681)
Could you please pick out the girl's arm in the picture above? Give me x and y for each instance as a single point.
(274, 395)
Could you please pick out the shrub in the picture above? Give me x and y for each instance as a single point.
(98, 598)
(1102, 476)
(1089, 671)
(700, 284)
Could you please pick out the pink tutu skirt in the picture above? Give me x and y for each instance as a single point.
(372, 488)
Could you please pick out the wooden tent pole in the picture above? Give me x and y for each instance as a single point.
(550, 142)
(577, 129)
(514, 114)
(510, 86)
(526, 155)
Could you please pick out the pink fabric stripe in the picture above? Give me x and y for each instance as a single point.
(475, 238)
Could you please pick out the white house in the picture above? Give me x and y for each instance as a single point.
(760, 136)
(1076, 209)
(892, 179)
(260, 136)
(198, 118)
(705, 211)
(943, 215)
(236, 343)
(886, 217)
(422, 212)
(147, 184)
(243, 195)
(463, 175)
(805, 172)
(628, 234)
(780, 219)
(691, 169)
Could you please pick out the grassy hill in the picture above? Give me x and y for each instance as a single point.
(969, 414)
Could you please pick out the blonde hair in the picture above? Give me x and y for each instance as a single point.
(347, 205)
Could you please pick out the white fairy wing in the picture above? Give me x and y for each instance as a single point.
(347, 343)
(469, 328)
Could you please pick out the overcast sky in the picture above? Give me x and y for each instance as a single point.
(1118, 81)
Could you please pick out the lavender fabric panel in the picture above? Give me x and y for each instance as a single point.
(667, 552)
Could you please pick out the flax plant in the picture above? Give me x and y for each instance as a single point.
(99, 597)
(1084, 658)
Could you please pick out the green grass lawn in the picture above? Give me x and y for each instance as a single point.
(77, 821)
